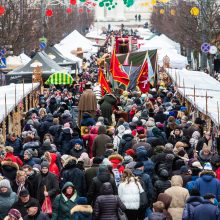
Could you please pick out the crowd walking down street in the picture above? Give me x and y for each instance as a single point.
(88, 155)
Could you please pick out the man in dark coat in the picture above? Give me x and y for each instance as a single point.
(100, 141)
(87, 102)
(91, 172)
(126, 142)
(70, 173)
(33, 210)
(106, 106)
(102, 177)
(24, 198)
(160, 116)
(47, 183)
(207, 210)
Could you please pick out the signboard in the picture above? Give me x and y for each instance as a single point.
(205, 47)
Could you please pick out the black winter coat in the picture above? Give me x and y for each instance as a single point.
(17, 145)
(107, 204)
(70, 173)
(97, 184)
(160, 117)
(106, 107)
(38, 216)
(125, 143)
(52, 185)
(64, 141)
(20, 206)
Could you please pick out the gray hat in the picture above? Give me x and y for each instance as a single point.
(5, 183)
(45, 164)
(29, 152)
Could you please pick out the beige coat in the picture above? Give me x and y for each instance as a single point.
(179, 197)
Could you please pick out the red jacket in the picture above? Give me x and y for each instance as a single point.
(218, 173)
(53, 168)
(13, 158)
(90, 138)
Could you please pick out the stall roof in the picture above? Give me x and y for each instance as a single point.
(22, 90)
(203, 83)
(58, 57)
(47, 65)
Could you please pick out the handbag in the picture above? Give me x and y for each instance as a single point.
(121, 214)
(143, 196)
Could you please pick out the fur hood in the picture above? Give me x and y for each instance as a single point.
(10, 164)
(115, 157)
(207, 172)
(172, 134)
(81, 208)
(69, 162)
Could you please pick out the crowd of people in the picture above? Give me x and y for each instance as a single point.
(124, 155)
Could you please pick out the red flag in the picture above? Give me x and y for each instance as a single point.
(143, 79)
(115, 68)
(103, 82)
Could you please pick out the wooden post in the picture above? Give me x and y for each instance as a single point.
(184, 91)
(218, 112)
(5, 106)
(194, 94)
(206, 103)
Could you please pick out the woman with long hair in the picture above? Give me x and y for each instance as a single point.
(129, 192)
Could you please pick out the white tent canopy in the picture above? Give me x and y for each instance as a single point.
(203, 83)
(96, 34)
(11, 99)
(177, 61)
(17, 61)
(165, 47)
(75, 40)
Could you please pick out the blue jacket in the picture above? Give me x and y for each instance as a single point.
(17, 145)
(207, 183)
(142, 155)
(206, 211)
(191, 203)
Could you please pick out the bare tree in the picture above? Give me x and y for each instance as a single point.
(21, 25)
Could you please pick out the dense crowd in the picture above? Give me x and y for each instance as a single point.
(124, 155)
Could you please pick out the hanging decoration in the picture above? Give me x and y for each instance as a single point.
(173, 12)
(2, 10)
(195, 11)
(49, 12)
(128, 3)
(69, 10)
(162, 11)
(73, 2)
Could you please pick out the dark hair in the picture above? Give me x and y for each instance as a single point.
(194, 192)
(109, 146)
(102, 130)
(209, 196)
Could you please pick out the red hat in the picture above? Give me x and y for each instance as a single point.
(14, 213)
(130, 152)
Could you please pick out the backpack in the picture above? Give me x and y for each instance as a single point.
(117, 176)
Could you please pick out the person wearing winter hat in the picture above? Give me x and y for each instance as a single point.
(7, 197)
(13, 214)
(33, 211)
(24, 198)
(77, 148)
(64, 202)
(91, 172)
(46, 183)
(207, 182)
(82, 211)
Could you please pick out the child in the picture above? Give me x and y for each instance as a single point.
(158, 208)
